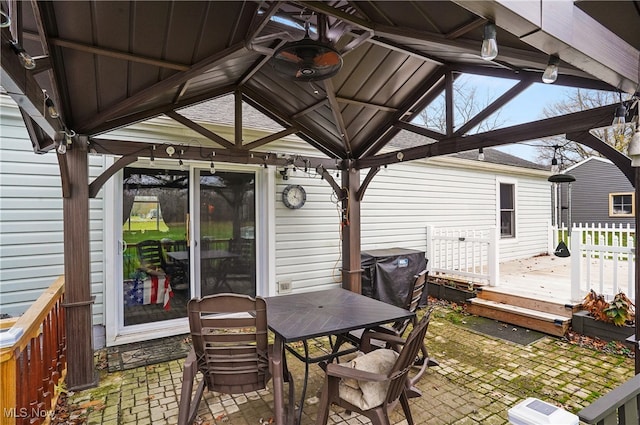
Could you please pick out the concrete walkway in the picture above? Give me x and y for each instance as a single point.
(478, 380)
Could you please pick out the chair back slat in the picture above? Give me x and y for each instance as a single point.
(406, 359)
(229, 333)
(412, 302)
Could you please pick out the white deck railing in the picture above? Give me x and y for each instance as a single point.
(602, 259)
(470, 254)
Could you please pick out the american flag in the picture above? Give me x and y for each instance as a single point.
(149, 290)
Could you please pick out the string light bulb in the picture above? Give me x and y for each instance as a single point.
(50, 107)
(550, 74)
(489, 49)
(62, 146)
(619, 122)
(25, 58)
(481, 154)
(212, 166)
(152, 158)
(555, 168)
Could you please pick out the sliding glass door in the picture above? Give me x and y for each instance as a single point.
(155, 254)
(227, 223)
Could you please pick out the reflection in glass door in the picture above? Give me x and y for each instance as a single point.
(156, 255)
(227, 233)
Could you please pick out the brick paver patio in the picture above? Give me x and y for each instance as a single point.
(478, 380)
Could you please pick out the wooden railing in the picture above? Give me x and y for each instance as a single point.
(617, 407)
(32, 369)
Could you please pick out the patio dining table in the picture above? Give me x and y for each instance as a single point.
(210, 255)
(303, 316)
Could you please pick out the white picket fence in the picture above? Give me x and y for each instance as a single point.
(602, 259)
(470, 254)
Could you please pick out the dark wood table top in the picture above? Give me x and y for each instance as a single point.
(308, 315)
(213, 254)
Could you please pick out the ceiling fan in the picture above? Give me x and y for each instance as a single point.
(308, 59)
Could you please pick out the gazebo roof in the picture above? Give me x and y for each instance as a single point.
(108, 64)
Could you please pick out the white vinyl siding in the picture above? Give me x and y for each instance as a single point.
(31, 227)
(398, 205)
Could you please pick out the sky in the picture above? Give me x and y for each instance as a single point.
(526, 107)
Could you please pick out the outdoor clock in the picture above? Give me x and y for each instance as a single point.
(294, 196)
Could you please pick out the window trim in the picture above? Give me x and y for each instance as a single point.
(633, 204)
(514, 184)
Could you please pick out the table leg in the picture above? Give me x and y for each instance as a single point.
(278, 380)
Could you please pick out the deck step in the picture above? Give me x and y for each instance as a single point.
(555, 307)
(551, 324)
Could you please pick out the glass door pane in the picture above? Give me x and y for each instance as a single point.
(227, 233)
(156, 255)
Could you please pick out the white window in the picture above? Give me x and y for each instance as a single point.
(621, 204)
(507, 210)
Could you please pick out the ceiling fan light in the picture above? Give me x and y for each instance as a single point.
(307, 60)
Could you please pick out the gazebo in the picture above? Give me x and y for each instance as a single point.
(345, 76)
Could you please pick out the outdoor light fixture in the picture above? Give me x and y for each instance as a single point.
(25, 58)
(618, 118)
(62, 146)
(50, 107)
(180, 162)
(481, 154)
(489, 49)
(550, 74)
(5, 21)
(212, 166)
(555, 168)
(152, 158)
(634, 148)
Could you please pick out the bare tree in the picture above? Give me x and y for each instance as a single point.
(467, 103)
(567, 152)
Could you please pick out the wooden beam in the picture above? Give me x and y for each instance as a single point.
(272, 137)
(569, 123)
(78, 300)
(151, 91)
(621, 161)
(367, 180)
(337, 115)
(22, 87)
(351, 233)
(564, 29)
(340, 192)
(116, 54)
(195, 153)
(309, 109)
(494, 106)
(162, 109)
(65, 184)
(199, 129)
(98, 182)
(419, 130)
(265, 106)
(423, 94)
(448, 103)
(379, 107)
(237, 98)
(468, 27)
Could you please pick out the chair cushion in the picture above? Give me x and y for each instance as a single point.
(365, 394)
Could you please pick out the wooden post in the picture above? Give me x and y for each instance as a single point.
(636, 346)
(78, 301)
(351, 264)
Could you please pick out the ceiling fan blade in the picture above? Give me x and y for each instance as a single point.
(327, 59)
(291, 57)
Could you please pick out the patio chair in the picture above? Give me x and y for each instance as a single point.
(230, 349)
(152, 260)
(373, 383)
(412, 303)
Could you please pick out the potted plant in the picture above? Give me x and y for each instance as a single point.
(611, 321)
